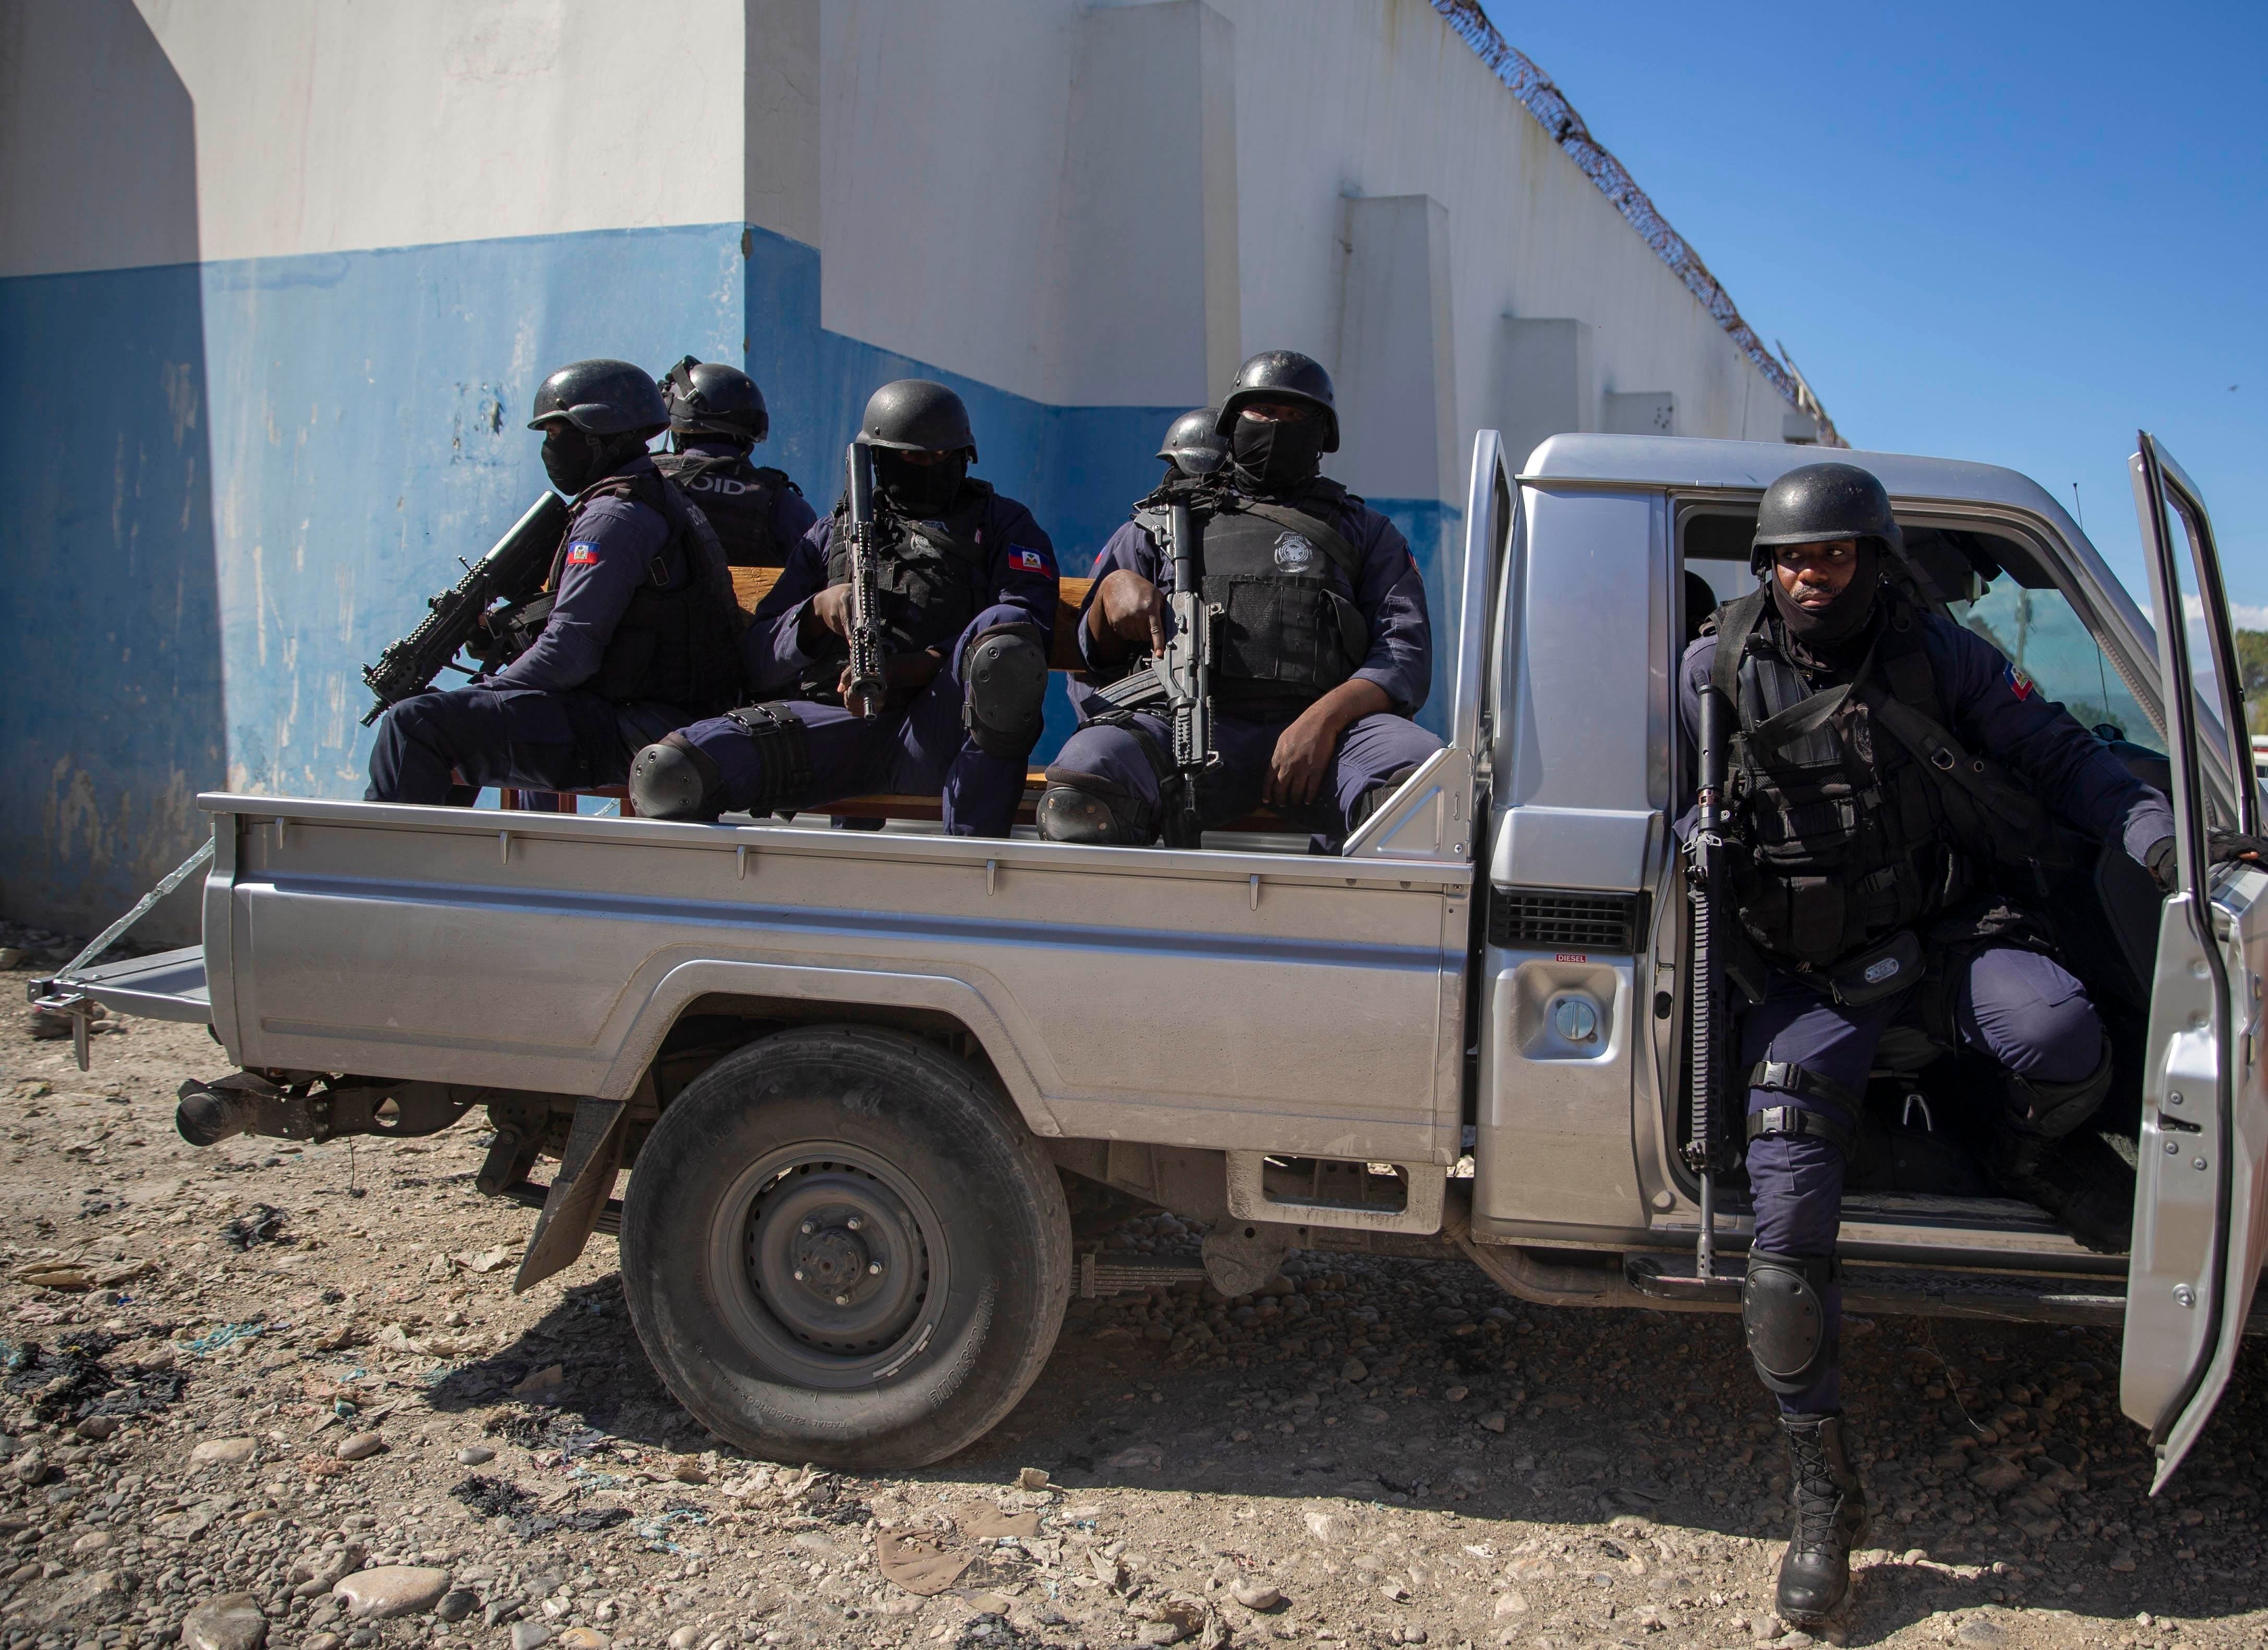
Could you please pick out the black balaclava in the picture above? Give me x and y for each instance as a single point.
(919, 492)
(1276, 455)
(1822, 633)
(573, 459)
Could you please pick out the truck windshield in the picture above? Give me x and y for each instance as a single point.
(2046, 640)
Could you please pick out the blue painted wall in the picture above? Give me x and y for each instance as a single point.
(278, 459)
(111, 707)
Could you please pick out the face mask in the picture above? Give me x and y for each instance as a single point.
(1823, 628)
(572, 460)
(1277, 457)
(919, 492)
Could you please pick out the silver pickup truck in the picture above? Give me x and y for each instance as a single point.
(850, 1076)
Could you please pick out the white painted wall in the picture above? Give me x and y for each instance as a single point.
(1004, 195)
(1079, 202)
(339, 125)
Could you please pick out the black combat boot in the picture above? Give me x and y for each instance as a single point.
(1830, 1518)
(2079, 1179)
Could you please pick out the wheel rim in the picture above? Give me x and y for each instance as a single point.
(832, 1262)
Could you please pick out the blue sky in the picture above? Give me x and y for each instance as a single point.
(2012, 234)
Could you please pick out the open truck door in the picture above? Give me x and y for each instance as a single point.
(2201, 1201)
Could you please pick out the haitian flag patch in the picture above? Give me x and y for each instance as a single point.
(2019, 683)
(582, 555)
(1029, 561)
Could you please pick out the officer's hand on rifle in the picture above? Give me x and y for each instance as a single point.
(1127, 611)
(904, 675)
(1304, 750)
(828, 611)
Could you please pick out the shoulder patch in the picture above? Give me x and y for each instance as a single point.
(582, 555)
(1030, 561)
(2019, 683)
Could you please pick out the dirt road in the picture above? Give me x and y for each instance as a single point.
(298, 1377)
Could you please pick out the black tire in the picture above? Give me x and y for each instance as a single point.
(812, 1157)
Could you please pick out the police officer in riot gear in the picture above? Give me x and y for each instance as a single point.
(1193, 447)
(1322, 651)
(716, 415)
(638, 632)
(1896, 790)
(968, 584)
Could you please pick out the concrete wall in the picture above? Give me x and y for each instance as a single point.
(277, 284)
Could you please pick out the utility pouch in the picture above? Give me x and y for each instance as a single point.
(1878, 971)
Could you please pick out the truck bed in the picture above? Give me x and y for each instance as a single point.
(1113, 991)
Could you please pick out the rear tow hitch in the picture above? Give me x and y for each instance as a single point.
(313, 1109)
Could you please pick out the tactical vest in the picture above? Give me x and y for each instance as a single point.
(678, 641)
(930, 576)
(1851, 812)
(1284, 634)
(740, 499)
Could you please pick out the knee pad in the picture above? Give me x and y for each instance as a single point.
(1006, 674)
(1784, 1319)
(673, 781)
(2050, 1111)
(1093, 813)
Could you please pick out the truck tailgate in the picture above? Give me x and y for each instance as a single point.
(166, 986)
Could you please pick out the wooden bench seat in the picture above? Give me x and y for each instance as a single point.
(751, 585)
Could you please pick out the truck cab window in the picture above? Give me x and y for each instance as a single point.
(2045, 638)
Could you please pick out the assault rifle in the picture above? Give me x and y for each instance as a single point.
(511, 571)
(1705, 891)
(867, 686)
(1182, 677)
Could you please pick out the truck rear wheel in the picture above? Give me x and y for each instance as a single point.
(840, 1245)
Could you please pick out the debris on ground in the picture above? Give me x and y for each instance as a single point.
(261, 1223)
(1368, 1451)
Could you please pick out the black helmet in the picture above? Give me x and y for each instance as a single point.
(1819, 501)
(1281, 374)
(916, 415)
(600, 398)
(1193, 445)
(708, 397)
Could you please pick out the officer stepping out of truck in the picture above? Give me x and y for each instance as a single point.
(717, 416)
(967, 586)
(1321, 650)
(638, 632)
(1897, 790)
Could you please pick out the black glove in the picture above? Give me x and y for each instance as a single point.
(2226, 845)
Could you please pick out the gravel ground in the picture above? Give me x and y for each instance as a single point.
(264, 1393)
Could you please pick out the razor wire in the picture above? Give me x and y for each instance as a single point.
(1557, 115)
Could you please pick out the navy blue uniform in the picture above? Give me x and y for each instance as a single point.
(724, 492)
(2022, 1009)
(1390, 594)
(533, 723)
(922, 750)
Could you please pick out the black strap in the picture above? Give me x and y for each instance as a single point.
(1736, 622)
(1818, 1271)
(1799, 1121)
(1787, 1077)
(1326, 537)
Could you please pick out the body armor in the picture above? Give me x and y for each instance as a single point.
(678, 641)
(1853, 813)
(1284, 635)
(930, 576)
(740, 499)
